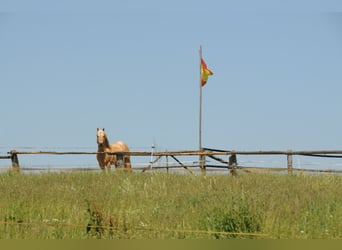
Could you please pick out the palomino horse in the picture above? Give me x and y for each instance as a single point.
(106, 160)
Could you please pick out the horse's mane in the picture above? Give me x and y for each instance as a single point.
(105, 144)
(106, 141)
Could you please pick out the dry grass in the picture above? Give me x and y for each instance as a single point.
(167, 206)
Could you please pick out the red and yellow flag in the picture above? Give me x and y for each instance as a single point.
(205, 73)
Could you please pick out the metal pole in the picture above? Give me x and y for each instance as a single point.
(200, 101)
(201, 157)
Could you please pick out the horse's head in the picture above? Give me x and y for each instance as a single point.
(101, 136)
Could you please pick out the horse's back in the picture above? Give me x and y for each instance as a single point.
(119, 146)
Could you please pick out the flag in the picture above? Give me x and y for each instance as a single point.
(205, 73)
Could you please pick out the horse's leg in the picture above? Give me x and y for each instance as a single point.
(103, 167)
(113, 160)
(101, 162)
(127, 162)
(107, 162)
(110, 162)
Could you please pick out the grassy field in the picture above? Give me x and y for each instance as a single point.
(86, 205)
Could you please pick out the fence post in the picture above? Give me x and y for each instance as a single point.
(289, 161)
(233, 164)
(167, 163)
(202, 162)
(15, 160)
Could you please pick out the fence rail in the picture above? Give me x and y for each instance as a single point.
(205, 152)
(214, 154)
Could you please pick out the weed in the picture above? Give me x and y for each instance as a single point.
(237, 221)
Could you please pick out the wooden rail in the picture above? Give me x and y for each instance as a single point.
(206, 152)
(190, 152)
(5, 157)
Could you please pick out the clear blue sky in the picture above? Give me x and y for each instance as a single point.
(68, 67)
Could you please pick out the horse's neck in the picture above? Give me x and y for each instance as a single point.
(105, 145)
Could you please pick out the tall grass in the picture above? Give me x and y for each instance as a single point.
(169, 206)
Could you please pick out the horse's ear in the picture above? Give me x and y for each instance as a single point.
(97, 129)
(103, 129)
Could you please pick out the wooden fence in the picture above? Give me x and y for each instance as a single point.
(215, 154)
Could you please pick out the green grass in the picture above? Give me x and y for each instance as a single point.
(169, 206)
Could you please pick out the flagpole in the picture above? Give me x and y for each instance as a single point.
(200, 101)
(201, 158)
